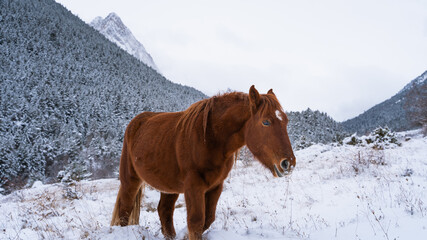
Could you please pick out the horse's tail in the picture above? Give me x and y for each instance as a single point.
(134, 215)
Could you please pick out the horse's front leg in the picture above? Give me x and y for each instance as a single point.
(195, 202)
(165, 210)
(212, 197)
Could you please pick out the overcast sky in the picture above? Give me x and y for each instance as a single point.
(339, 57)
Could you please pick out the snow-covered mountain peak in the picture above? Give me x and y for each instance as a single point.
(114, 17)
(116, 31)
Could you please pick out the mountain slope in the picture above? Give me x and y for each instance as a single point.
(392, 112)
(114, 29)
(67, 94)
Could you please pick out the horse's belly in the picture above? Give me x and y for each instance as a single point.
(162, 178)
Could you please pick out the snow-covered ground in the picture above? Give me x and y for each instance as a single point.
(335, 192)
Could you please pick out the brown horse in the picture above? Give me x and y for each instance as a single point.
(192, 152)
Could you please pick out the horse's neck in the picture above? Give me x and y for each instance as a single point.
(229, 123)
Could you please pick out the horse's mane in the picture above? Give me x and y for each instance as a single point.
(187, 122)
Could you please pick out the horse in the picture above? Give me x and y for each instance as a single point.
(193, 151)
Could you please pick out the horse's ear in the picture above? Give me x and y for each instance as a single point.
(271, 92)
(254, 99)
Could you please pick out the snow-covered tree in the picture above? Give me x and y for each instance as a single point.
(308, 127)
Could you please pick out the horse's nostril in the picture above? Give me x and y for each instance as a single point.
(285, 164)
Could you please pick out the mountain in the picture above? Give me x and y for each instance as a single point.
(67, 94)
(114, 29)
(399, 112)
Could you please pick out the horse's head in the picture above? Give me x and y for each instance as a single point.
(266, 133)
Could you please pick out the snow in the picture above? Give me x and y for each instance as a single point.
(324, 198)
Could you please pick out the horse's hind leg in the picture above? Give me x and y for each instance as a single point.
(128, 201)
(165, 210)
(129, 198)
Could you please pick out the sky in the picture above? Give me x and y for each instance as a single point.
(338, 57)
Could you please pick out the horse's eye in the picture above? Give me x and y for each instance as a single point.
(266, 123)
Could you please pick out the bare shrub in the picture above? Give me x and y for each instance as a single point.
(364, 160)
(413, 204)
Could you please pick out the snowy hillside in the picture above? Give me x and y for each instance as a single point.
(114, 29)
(335, 192)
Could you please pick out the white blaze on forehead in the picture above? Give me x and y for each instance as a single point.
(279, 115)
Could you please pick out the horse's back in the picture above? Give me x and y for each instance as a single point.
(136, 123)
(147, 127)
